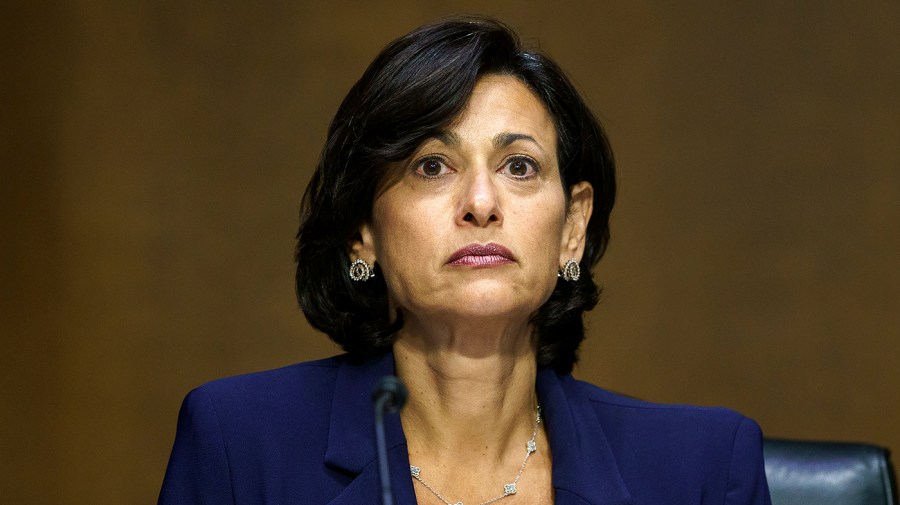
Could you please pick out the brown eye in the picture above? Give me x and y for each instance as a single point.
(431, 167)
(518, 168)
(521, 168)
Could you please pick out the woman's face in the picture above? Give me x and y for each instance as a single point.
(475, 223)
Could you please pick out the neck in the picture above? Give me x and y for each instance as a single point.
(472, 393)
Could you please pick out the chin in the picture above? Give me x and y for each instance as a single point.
(481, 301)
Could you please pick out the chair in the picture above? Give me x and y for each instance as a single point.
(828, 473)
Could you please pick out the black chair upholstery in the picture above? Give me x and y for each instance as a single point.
(828, 473)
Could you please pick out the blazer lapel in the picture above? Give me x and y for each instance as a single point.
(366, 487)
(351, 438)
(584, 467)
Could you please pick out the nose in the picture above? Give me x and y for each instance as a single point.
(479, 204)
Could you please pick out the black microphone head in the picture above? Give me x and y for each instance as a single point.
(392, 388)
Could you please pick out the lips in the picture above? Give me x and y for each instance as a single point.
(479, 255)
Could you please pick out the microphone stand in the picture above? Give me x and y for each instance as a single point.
(389, 396)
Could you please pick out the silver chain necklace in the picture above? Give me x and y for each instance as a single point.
(508, 489)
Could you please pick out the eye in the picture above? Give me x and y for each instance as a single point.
(431, 167)
(521, 167)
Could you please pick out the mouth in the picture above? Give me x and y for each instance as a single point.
(478, 255)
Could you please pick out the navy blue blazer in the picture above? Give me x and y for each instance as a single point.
(304, 435)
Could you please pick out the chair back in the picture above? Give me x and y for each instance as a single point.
(828, 473)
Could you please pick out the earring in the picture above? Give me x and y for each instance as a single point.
(571, 271)
(361, 271)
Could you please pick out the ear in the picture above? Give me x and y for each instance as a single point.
(363, 246)
(581, 204)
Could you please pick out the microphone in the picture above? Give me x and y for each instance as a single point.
(389, 396)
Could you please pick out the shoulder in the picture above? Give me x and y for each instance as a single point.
(241, 436)
(310, 378)
(262, 406)
(621, 415)
(295, 392)
(684, 448)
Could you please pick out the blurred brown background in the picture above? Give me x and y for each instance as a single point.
(154, 154)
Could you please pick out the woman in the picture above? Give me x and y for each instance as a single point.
(447, 237)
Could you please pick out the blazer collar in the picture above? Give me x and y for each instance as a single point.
(351, 438)
(584, 468)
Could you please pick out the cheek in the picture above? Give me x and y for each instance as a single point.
(550, 242)
(403, 236)
(545, 225)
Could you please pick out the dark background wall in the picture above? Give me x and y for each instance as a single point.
(154, 154)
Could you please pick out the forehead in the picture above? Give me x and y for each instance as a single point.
(502, 103)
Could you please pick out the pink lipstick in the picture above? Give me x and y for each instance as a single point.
(477, 255)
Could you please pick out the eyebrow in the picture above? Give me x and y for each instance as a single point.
(445, 137)
(500, 140)
(506, 138)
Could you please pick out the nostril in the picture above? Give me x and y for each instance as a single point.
(469, 217)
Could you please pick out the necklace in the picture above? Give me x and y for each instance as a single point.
(508, 489)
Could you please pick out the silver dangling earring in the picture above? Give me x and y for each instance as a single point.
(360, 271)
(571, 271)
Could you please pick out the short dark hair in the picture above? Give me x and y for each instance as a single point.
(414, 88)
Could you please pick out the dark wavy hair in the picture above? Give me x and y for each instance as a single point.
(413, 89)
